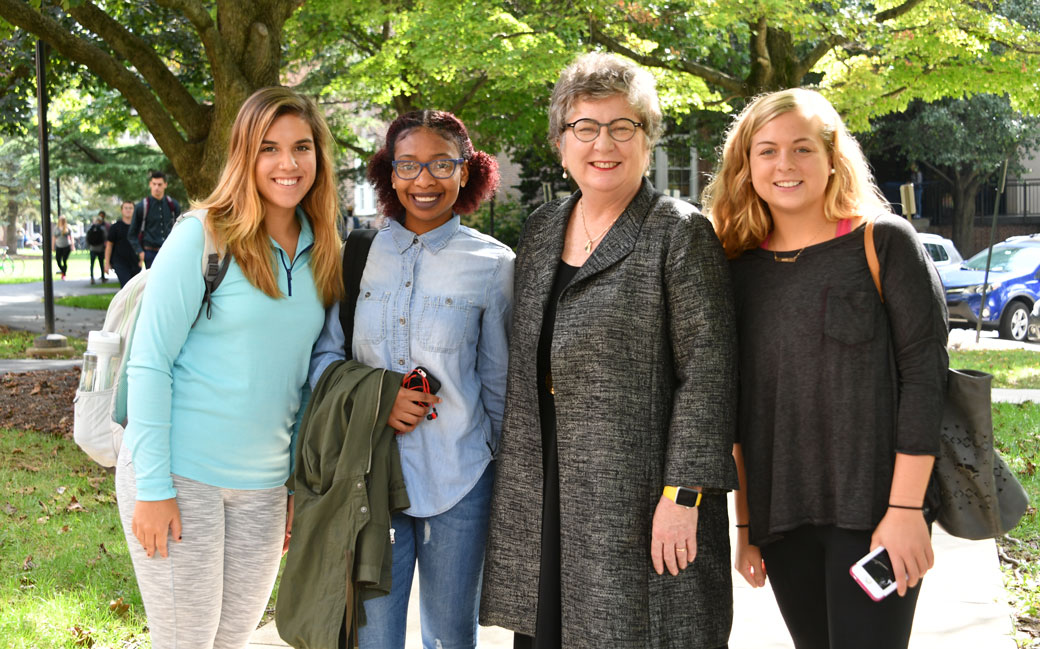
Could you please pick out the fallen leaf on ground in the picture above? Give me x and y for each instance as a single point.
(28, 563)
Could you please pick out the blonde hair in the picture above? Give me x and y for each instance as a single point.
(742, 220)
(236, 210)
(63, 225)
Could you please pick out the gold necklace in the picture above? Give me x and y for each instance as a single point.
(791, 260)
(588, 235)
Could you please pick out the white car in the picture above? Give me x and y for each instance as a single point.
(942, 251)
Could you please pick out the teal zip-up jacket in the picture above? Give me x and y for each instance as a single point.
(347, 482)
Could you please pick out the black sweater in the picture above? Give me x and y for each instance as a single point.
(833, 383)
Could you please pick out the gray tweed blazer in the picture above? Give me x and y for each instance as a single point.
(644, 367)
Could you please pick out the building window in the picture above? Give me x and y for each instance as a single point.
(674, 171)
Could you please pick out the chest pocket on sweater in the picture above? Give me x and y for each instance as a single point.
(850, 316)
(370, 317)
(445, 323)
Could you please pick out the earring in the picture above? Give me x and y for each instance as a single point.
(832, 171)
(565, 173)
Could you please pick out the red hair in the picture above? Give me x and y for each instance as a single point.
(483, 169)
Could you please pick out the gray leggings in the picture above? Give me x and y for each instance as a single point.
(211, 591)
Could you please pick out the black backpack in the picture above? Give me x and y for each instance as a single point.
(96, 235)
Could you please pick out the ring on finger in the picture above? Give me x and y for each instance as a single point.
(680, 549)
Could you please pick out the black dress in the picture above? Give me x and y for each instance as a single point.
(548, 627)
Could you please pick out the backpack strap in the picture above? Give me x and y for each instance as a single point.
(355, 255)
(214, 264)
(872, 258)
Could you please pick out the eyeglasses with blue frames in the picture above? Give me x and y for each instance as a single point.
(621, 129)
(442, 168)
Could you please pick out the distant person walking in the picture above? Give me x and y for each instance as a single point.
(96, 236)
(62, 242)
(119, 254)
(153, 218)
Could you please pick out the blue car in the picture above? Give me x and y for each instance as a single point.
(1014, 287)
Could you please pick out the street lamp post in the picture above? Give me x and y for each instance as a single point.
(50, 343)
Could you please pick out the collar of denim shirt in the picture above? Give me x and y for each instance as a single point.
(434, 240)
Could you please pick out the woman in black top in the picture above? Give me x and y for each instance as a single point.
(840, 394)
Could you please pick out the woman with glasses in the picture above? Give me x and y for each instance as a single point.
(436, 294)
(609, 522)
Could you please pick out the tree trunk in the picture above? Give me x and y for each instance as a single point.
(11, 229)
(964, 190)
(243, 44)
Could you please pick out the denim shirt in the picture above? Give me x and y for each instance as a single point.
(442, 300)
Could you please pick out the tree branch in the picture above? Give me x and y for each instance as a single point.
(710, 75)
(111, 71)
(221, 64)
(171, 92)
(87, 151)
(897, 11)
(761, 31)
(936, 170)
(461, 103)
(816, 53)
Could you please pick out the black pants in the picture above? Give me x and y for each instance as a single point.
(823, 606)
(61, 258)
(100, 257)
(124, 271)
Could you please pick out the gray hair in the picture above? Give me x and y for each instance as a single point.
(595, 76)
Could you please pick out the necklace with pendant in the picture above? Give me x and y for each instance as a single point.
(592, 239)
(794, 258)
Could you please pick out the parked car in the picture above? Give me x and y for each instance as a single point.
(1013, 289)
(942, 251)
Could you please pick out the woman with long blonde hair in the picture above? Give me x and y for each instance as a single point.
(840, 392)
(215, 393)
(63, 243)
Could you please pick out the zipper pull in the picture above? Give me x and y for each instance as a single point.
(391, 536)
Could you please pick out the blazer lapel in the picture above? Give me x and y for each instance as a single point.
(545, 247)
(622, 237)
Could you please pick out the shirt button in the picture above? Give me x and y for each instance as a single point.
(400, 361)
(415, 239)
(407, 284)
(368, 294)
(360, 485)
(364, 510)
(448, 301)
(401, 321)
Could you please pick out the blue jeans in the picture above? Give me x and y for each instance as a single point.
(450, 550)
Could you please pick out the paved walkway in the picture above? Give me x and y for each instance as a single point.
(963, 604)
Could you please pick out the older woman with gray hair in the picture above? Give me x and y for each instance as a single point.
(609, 521)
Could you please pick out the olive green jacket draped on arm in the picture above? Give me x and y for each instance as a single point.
(644, 371)
(347, 483)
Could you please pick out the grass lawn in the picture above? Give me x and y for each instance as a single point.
(65, 574)
(1011, 368)
(14, 342)
(86, 301)
(32, 269)
(66, 580)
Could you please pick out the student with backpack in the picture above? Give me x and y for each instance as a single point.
(215, 392)
(96, 235)
(153, 219)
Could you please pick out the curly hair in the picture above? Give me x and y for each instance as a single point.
(483, 168)
(742, 220)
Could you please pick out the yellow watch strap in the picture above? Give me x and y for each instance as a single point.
(671, 493)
